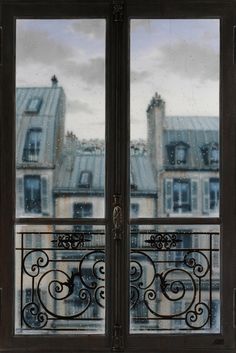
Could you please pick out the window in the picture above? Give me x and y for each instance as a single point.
(32, 190)
(32, 145)
(214, 194)
(85, 180)
(33, 105)
(177, 153)
(82, 210)
(210, 154)
(215, 154)
(133, 185)
(108, 291)
(181, 196)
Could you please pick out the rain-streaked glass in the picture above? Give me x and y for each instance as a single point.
(175, 279)
(60, 118)
(60, 173)
(174, 100)
(60, 279)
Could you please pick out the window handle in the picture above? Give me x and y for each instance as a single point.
(117, 217)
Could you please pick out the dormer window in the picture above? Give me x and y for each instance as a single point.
(210, 153)
(214, 154)
(180, 154)
(33, 105)
(133, 185)
(177, 153)
(32, 145)
(85, 180)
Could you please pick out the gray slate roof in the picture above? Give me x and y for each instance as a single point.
(194, 131)
(70, 168)
(49, 95)
(204, 123)
(50, 118)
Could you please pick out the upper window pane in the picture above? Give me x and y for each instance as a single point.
(60, 117)
(174, 117)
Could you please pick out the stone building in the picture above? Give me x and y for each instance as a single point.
(174, 173)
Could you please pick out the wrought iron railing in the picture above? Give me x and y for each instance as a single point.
(174, 280)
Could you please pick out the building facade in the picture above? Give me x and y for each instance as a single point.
(174, 173)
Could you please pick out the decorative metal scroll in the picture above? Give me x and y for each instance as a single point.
(173, 287)
(117, 217)
(118, 10)
(63, 286)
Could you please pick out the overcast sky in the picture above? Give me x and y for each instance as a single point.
(177, 58)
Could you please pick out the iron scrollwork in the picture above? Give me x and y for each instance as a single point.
(170, 283)
(118, 10)
(117, 218)
(54, 293)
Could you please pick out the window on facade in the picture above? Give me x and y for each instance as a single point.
(32, 145)
(82, 210)
(32, 194)
(214, 154)
(133, 185)
(214, 193)
(177, 153)
(181, 154)
(181, 196)
(210, 154)
(33, 105)
(85, 180)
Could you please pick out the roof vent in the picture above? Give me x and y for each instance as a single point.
(54, 81)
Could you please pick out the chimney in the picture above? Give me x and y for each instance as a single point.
(155, 122)
(54, 81)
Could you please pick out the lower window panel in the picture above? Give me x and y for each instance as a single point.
(60, 279)
(175, 279)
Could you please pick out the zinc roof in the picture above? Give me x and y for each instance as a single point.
(70, 168)
(195, 132)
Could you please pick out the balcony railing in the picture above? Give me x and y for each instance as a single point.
(174, 281)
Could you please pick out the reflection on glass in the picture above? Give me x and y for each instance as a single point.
(175, 279)
(60, 118)
(175, 132)
(60, 279)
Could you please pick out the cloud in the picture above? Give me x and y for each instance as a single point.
(190, 60)
(139, 76)
(76, 106)
(37, 46)
(92, 28)
(91, 72)
(141, 23)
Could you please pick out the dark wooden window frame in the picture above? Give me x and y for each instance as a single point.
(117, 14)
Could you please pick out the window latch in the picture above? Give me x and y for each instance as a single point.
(118, 10)
(117, 339)
(117, 217)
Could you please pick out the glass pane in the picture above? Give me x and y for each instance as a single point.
(174, 118)
(175, 279)
(60, 279)
(60, 118)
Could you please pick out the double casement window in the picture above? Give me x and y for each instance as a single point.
(117, 176)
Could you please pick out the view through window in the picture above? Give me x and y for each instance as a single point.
(60, 174)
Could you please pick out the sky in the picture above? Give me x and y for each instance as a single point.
(179, 59)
